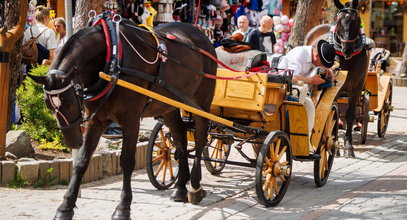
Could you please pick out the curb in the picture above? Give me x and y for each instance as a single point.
(102, 165)
(398, 81)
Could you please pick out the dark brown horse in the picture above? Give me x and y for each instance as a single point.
(350, 45)
(78, 65)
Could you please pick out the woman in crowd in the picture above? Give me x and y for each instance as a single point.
(60, 28)
(46, 37)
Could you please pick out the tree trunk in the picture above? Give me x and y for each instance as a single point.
(11, 20)
(314, 15)
(82, 9)
(298, 30)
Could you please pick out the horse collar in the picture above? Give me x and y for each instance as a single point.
(113, 57)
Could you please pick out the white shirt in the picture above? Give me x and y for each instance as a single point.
(298, 59)
(47, 39)
(60, 44)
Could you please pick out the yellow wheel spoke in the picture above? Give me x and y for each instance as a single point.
(266, 182)
(162, 156)
(163, 138)
(282, 178)
(164, 171)
(270, 188)
(225, 151)
(277, 148)
(170, 168)
(159, 147)
(281, 153)
(275, 186)
(269, 164)
(159, 168)
(272, 156)
(284, 163)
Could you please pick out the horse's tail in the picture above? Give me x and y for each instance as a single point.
(316, 33)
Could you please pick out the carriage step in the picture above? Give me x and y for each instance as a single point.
(311, 157)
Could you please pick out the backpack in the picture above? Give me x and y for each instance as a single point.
(30, 50)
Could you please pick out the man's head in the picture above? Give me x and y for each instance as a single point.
(323, 54)
(266, 24)
(243, 23)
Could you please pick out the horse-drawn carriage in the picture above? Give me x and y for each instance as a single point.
(264, 111)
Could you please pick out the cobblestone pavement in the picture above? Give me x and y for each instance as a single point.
(371, 186)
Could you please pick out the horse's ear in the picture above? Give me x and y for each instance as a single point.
(38, 79)
(338, 4)
(355, 4)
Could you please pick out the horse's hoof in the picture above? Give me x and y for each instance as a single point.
(64, 215)
(179, 195)
(348, 153)
(195, 196)
(121, 214)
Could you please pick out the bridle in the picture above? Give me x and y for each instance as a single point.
(346, 10)
(54, 97)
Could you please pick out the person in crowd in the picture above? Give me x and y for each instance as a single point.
(60, 29)
(263, 38)
(243, 25)
(46, 40)
(302, 60)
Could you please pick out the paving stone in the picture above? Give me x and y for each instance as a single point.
(7, 171)
(28, 171)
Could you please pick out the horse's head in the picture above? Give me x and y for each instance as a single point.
(348, 27)
(77, 65)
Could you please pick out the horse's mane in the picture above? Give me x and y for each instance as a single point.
(69, 45)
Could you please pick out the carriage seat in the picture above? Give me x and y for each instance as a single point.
(238, 61)
(379, 56)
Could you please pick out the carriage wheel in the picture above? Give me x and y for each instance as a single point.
(273, 168)
(384, 114)
(365, 117)
(326, 149)
(161, 164)
(216, 149)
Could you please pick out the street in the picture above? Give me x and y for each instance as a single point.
(371, 186)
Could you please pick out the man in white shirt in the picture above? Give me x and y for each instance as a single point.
(302, 60)
(243, 25)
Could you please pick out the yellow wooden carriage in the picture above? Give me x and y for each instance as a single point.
(261, 109)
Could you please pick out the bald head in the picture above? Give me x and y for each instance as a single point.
(266, 24)
(243, 23)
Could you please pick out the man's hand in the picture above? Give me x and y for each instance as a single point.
(315, 80)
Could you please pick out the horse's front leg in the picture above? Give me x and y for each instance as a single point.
(91, 139)
(348, 150)
(196, 193)
(127, 163)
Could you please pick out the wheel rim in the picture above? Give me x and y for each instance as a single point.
(329, 139)
(274, 173)
(384, 114)
(217, 149)
(365, 120)
(162, 166)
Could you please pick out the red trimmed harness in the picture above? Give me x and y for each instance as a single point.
(109, 58)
